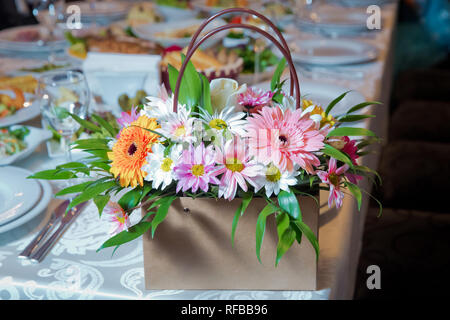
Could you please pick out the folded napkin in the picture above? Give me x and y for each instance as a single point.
(110, 75)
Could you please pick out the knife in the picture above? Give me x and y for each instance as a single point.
(66, 221)
(56, 215)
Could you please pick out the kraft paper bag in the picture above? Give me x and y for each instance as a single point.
(192, 249)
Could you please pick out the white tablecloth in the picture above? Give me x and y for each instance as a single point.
(73, 269)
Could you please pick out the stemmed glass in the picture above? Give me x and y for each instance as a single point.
(61, 93)
(48, 13)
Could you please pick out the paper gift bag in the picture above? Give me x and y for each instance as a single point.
(192, 249)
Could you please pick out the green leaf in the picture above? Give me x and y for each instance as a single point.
(277, 74)
(261, 227)
(90, 192)
(362, 105)
(354, 189)
(285, 241)
(309, 235)
(90, 144)
(246, 199)
(98, 153)
(288, 202)
(190, 87)
(126, 236)
(334, 102)
(349, 131)
(86, 124)
(54, 174)
(206, 95)
(338, 155)
(113, 132)
(161, 213)
(101, 201)
(193, 82)
(353, 118)
(130, 199)
(298, 232)
(74, 189)
(367, 170)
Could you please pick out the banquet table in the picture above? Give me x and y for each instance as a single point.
(74, 270)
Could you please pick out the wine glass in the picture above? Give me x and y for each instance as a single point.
(61, 93)
(48, 13)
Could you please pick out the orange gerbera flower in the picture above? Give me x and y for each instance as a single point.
(129, 152)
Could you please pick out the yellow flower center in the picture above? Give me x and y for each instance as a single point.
(180, 131)
(334, 179)
(273, 174)
(218, 124)
(198, 170)
(166, 164)
(121, 219)
(234, 165)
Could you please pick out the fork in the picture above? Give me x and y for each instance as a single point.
(56, 215)
(66, 220)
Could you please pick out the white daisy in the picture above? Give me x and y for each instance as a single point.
(227, 119)
(275, 180)
(160, 108)
(179, 127)
(160, 167)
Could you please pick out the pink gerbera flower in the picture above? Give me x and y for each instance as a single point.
(254, 100)
(118, 217)
(284, 138)
(333, 179)
(237, 168)
(196, 169)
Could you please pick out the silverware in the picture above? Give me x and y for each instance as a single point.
(55, 217)
(66, 221)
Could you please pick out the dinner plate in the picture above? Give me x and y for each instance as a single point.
(40, 206)
(175, 14)
(331, 51)
(338, 20)
(201, 5)
(30, 111)
(102, 9)
(17, 193)
(155, 32)
(33, 140)
(322, 94)
(10, 42)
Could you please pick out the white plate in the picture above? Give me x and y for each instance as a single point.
(33, 140)
(8, 42)
(334, 19)
(36, 210)
(331, 51)
(102, 9)
(175, 14)
(201, 5)
(24, 114)
(322, 94)
(148, 31)
(17, 193)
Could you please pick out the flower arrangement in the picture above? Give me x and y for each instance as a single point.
(226, 141)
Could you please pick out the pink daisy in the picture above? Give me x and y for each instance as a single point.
(237, 168)
(196, 169)
(254, 100)
(333, 179)
(284, 138)
(351, 149)
(128, 117)
(118, 217)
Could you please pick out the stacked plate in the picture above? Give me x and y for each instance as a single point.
(21, 199)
